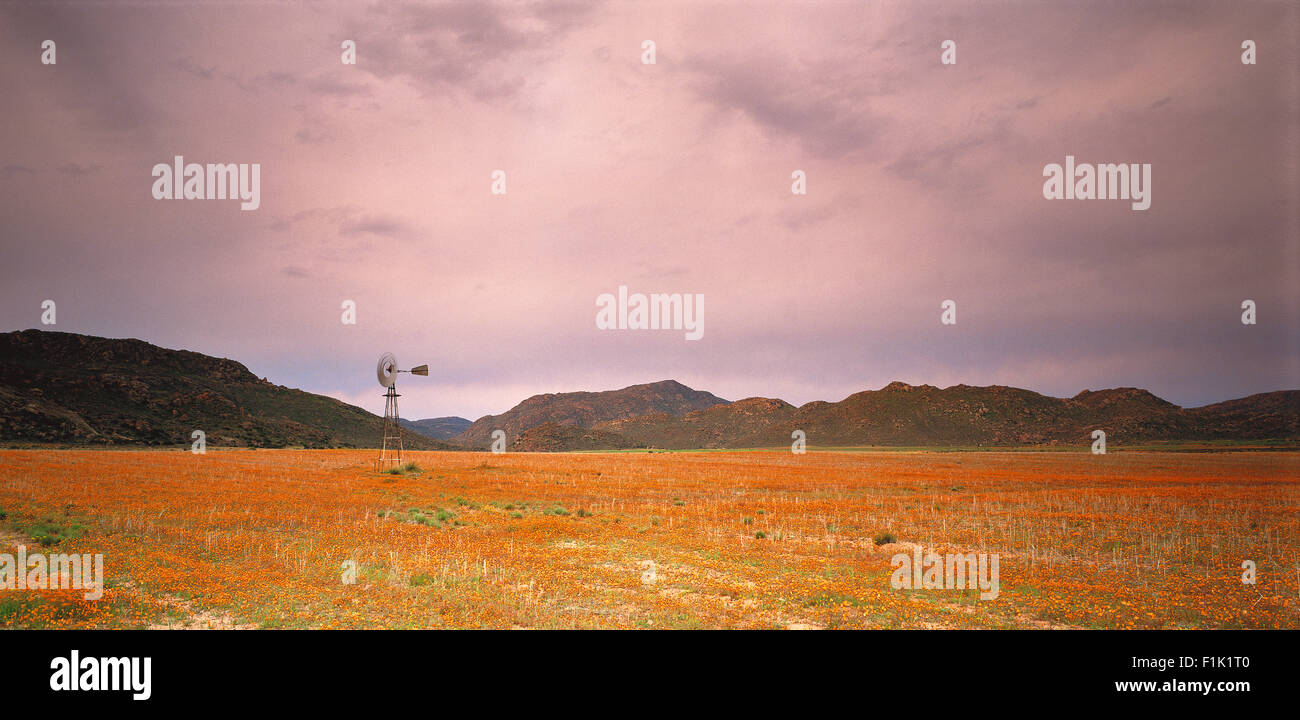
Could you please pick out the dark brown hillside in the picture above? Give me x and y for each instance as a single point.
(716, 427)
(907, 415)
(1266, 415)
(67, 388)
(442, 428)
(585, 409)
(553, 437)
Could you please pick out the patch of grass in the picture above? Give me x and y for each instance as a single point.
(52, 531)
(407, 469)
(885, 538)
(833, 600)
(35, 611)
(760, 534)
(418, 516)
(516, 515)
(582, 512)
(11, 604)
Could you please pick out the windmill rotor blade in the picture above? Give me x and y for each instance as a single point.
(420, 370)
(386, 373)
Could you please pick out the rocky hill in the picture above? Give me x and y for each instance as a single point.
(438, 428)
(922, 415)
(585, 409)
(901, 414)
(66, 388)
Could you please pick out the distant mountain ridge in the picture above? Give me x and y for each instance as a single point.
(441, 428)
(584, 409)
(914, 415)
(902, 414)
(66, 388)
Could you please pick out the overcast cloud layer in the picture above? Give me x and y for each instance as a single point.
(924, 183)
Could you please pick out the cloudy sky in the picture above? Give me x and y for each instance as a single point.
(924, 183)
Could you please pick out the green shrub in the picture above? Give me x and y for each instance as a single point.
(50, 531)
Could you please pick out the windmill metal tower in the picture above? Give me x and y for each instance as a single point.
(391, 453)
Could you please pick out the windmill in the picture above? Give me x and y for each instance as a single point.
(391, 454)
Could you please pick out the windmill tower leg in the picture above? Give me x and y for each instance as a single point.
(391, 454)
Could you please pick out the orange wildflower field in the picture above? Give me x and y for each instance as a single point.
(755, 539)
